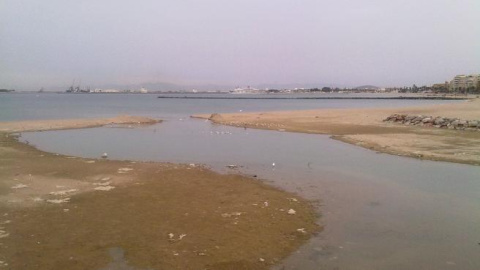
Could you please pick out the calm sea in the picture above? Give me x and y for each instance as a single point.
(27, 106)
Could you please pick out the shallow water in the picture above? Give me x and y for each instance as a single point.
(380, 211)
(28, 106)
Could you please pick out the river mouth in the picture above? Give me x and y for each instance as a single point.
(379, 211)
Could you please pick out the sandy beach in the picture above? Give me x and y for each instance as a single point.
(366, 128)
(61, 212)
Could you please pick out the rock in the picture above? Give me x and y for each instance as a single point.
(418, 119)
(438, 121)
(427, 120)
(473, 123)
(291, 212)
(410, 118)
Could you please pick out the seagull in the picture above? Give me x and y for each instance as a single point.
(104, 155)
(273, 164)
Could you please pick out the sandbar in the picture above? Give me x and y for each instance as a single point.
(58, 124)
(365, 128)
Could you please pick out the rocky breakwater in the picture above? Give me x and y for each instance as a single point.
(438, 122)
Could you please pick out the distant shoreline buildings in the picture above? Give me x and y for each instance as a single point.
(460, 84)
(465, 82)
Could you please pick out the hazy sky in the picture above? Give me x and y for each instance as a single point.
(237, 42)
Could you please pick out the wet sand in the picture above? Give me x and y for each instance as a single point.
(43, 125)
(60, 212)
(365, 128)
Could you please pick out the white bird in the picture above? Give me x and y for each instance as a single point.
(273, 164)
(104, 155)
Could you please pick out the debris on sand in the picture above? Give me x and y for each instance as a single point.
(104, 188)
(90, 161)
(232, 166)
(102, 184)
(19, 186)
(3, 233)
(301, 230)
(171, 237)
(105, 179)
(58, 201)
(63, 192)
(291, 212)
(124, 170)
(232, 214)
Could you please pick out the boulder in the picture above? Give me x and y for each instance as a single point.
(473, 124)
(427, 120)
(438, 121)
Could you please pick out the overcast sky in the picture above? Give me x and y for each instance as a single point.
(237, 42)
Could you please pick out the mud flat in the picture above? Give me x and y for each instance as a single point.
(366, 128)
(61, 212)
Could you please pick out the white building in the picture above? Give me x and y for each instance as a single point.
(462, 82)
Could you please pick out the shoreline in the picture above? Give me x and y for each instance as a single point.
(366, 128)
(161, 215)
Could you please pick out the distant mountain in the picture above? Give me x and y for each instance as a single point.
(367, 87)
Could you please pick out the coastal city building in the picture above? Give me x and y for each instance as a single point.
(441, 86)
(464, 82)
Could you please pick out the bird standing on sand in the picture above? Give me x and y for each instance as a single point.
(104, 155)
